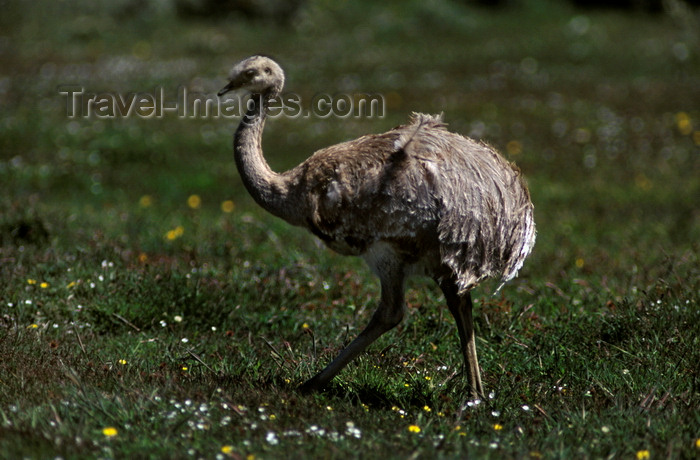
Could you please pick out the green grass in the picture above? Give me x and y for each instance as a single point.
(189, 344)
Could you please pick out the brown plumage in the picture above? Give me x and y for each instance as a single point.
(415, 200)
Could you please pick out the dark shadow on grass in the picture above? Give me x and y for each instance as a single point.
(377, 397)
(24, 231)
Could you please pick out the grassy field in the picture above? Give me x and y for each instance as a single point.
(149, 309)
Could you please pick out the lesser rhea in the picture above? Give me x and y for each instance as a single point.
(415, 200)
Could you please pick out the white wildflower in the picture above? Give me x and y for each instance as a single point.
(271, 438)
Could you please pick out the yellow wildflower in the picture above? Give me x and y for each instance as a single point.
(227, 206)
(514, 148)
(498, 427)
(643, 454)
(226, 449)
(427, 408)
(71, 284)
(643, 182)
(31, 281)
(33, 326)
(44, 285)
(685, 126)
(194, 201)
(414, 428)
(122, 362)
(110, 431)
(145, 201)
(175, 233)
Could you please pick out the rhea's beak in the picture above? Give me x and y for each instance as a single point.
(230, 87)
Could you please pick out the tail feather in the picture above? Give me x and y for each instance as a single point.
(418, 121)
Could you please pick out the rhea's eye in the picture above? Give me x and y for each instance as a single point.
(268, 71)
(250, 73)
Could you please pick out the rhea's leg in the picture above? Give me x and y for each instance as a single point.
(461, 308)
(389, 313)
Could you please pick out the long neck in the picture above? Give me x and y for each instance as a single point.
(268, 188)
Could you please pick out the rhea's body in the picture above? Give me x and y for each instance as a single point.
(415, 200)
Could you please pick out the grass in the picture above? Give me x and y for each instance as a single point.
(139, 321)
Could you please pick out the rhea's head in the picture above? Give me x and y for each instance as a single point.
(257, 75)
